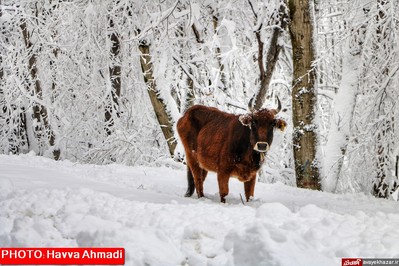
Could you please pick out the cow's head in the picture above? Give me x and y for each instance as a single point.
(262, 124)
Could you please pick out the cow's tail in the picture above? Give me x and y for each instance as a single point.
(190, 183)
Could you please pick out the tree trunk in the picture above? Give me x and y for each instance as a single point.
(303, 95)
(265, 74)
(222, 74)
(344, 105)
(383, 184)
(341, 120)
(115, 79)
(11, 113)
(187, 94)
(163, 117)
(39, 111)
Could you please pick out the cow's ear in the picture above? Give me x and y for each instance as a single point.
(280, 124)
(246, 120)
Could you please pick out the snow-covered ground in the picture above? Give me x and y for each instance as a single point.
(44, 203)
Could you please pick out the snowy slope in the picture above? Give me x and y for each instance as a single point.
(47, 203)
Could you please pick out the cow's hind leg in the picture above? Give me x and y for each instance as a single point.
(199, 176)
(190, 183)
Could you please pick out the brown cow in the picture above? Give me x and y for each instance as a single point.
(228, 144)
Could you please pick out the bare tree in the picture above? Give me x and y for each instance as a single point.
(115, 78)
(385, 183)
(163, 117)
(278, 24)
(40, 113)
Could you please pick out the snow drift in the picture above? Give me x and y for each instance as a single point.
(44, 203)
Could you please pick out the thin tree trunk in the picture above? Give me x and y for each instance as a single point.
(39, 111)
(164, 119)
(339, 133)
(188, 95)
(18, 139)
(265, 74)
(341, 121)
(303, 95)
(215, 21)
(344, 105)
(56, 152)
(382, 186)
(115, 79)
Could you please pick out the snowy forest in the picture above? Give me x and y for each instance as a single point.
(103, 82)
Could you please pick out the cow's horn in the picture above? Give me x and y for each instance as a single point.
(250, 105)
(278, 106)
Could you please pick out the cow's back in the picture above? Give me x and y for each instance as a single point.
(196, 119)
(205, 133)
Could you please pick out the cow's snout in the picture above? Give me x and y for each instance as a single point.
(261, 146)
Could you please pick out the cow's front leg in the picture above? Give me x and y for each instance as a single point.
(223, 180)
(249, 187)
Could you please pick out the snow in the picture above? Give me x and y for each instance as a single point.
(44, 203)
